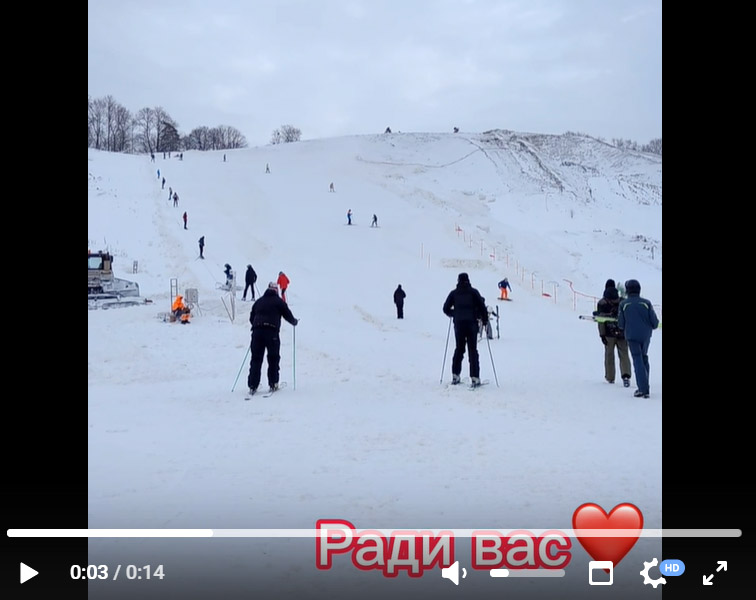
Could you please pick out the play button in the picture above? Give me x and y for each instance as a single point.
(27, 573)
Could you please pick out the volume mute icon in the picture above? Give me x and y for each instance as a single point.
(452, 573)
(27, 573)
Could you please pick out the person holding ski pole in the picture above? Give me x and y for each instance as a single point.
(265, 318)
(465, 306)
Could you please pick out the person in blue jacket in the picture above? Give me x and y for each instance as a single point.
(637, 319)
(504, 289)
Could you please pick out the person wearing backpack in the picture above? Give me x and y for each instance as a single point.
(612, 337)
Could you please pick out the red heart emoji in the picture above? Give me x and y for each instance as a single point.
(592, 516)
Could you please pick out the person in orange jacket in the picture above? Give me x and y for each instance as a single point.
(180, 310)
(283, 284)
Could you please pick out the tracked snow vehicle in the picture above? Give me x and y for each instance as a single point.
(104, 289)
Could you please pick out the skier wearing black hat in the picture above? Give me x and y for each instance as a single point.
(265, 318)
(611, 335)
(465, 306)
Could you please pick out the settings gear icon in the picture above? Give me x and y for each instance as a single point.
(648, 580)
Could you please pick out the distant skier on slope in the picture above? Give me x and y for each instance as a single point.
(399, 297)
(283, 283)
(250, 277)
(504, 288)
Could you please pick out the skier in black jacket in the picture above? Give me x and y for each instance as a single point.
(465, 305)
(250, 277)
(399, 297)
(265, 318)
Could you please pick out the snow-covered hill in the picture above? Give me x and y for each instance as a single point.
(365, 430)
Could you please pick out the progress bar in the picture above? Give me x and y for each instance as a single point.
(315, 533)
(526, 573)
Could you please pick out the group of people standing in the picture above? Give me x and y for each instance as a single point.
(250, 280)
(625, 326)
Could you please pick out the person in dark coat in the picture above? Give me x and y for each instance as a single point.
(399, 297)
(465, 306)
(202, 246)
(637, 320)
(250, 277)
(612, 337)
(265, 318)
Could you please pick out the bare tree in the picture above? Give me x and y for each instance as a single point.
(145, 137)
(625, 144)
(198, 139)
(95, 124)
(110, 126)
(235, 138)
(215, 138)
(286, 134)
(654, 147)
(228, 137)
(122, 138)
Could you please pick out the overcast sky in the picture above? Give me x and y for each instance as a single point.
(341, 67)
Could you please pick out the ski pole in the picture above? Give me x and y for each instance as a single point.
(446, 348)
(242, 366)
(294, 356)
(493, 366)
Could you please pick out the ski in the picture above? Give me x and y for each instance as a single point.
(481, 384)
(597, 318)
(466, 383)
(269, 393)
